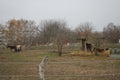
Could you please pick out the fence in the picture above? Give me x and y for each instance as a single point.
(55, 69)
(82, 70)
(115, 51)
(22, 70)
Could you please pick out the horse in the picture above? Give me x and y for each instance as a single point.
(16, 48)
(89, 47)
(99, 50)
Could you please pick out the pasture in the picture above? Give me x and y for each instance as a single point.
(24, 65)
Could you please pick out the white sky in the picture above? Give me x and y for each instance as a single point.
(74, 12)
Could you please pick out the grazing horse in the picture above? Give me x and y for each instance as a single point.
(16, 48)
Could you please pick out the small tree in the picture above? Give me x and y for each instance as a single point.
(62, 36)
(54, 32)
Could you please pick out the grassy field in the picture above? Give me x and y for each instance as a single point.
(24, 65)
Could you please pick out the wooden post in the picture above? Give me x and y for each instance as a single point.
(41, 68)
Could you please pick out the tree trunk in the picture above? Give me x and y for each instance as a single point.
(84, 44)
(60, 50)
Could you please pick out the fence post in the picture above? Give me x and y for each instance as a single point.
(41, 68)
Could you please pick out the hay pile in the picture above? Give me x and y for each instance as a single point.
(106, 52)
(88, 53)
(81, 53)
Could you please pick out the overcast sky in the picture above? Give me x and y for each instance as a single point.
(74, 12)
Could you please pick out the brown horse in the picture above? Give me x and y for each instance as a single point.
(16, 48)
(89, 47)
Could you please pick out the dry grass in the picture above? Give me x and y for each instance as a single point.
(81, 53)
(24, 66)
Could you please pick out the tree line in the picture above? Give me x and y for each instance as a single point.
(29, 33)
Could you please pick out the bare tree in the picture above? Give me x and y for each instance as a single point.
(20, 32)
(84, 30)
(62, 36)
(28, 32)
(98, 39)
(13, 29)
(2, 28)
(54, 32)
(112, 33)
(48, 31)
(1, 33)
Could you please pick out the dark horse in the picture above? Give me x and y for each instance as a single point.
(89, 47)
(16, 48)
